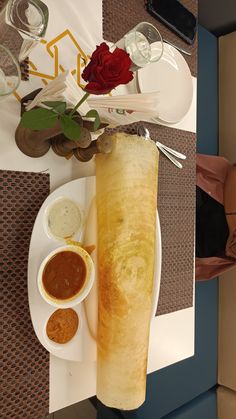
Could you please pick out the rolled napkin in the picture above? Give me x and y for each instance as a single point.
(137, 102)
(126, 182)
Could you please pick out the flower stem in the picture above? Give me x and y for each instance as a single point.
(86, 95)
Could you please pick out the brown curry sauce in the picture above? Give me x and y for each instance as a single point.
(64, 275)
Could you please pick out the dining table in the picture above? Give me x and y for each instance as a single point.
(32, 379)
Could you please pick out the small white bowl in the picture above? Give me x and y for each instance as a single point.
(88, 283)
(60, 346)
(76, 233)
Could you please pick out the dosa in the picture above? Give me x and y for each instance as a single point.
(126, 184)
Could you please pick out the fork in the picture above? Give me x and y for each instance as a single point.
(169, 156)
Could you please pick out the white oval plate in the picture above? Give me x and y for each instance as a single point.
(83, 344)
(171, 77)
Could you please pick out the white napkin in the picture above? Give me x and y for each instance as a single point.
(53, 91)
(63, 88)
(136, 102)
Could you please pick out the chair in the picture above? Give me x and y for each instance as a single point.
(216, 183)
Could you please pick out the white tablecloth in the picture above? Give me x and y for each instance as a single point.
(75, 27)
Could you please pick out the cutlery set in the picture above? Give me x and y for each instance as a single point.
(167, 151)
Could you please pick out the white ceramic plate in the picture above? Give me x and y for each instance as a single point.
(83, 344)
(171, 77)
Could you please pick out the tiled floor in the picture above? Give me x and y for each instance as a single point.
(82, 410)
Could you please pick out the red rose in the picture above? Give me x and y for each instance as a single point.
(107, 70)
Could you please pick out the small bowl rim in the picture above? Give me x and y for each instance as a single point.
(78, 298)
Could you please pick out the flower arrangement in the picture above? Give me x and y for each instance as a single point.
(105, 71)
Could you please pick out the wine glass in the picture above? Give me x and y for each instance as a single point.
(23, 23)
(10, 74)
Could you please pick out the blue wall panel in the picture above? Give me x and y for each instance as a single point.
(207, 98)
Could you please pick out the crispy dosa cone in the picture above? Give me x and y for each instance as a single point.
(126, 181)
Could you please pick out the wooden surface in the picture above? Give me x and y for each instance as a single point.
(227, 96)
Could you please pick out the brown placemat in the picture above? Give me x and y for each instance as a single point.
(121, 16)
(176, 207)
(24, 367)
(9, 38)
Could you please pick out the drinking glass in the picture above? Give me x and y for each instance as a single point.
(9, 72)
(22, 25)
(143, 43)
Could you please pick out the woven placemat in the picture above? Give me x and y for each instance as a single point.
(9, 37)
(24, 367)
(121, 16)
(176, 193)
(176, 207)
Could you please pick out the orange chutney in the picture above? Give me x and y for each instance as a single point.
(64, 275)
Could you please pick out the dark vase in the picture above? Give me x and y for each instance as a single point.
(37, 143)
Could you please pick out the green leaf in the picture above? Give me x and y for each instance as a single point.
(39, 119)
(59, 107)
(71, 129)
(94, 114)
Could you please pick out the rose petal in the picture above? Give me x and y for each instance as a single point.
(96, 89)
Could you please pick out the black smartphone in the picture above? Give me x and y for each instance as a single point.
(174, 15)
